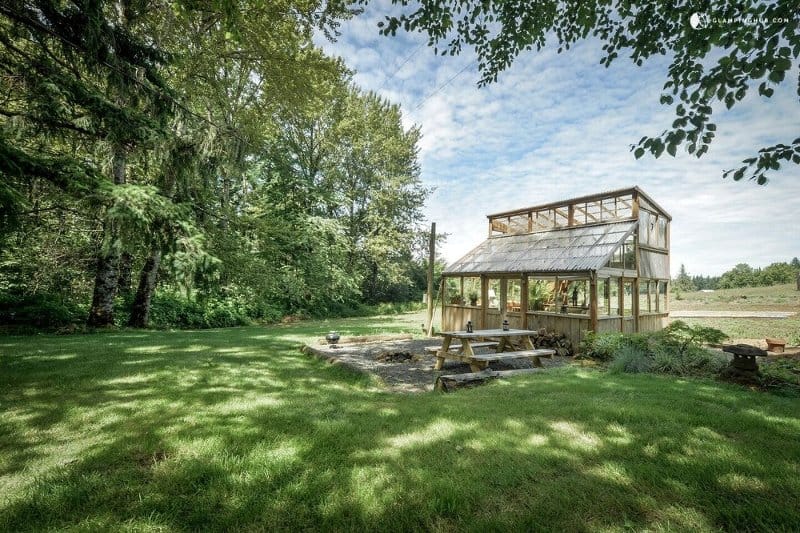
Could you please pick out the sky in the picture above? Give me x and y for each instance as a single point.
(557, 126)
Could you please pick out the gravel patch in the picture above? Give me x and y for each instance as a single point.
(404, 366)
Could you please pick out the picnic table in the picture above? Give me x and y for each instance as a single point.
(506, 349)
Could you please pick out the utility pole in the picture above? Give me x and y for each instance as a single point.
(431, 257)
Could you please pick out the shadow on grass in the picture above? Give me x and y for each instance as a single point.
(234, 429)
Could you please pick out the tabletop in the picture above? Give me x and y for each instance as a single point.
(489, 333)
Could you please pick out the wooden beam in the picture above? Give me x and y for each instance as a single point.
(484, 299)
(496, 225)
(635, 304)
(621, 303)
(593, 301)
(431, 259)
(523, 300)
(586, 213)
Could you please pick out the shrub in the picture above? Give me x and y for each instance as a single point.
(677, 349)
(782, 376)
(601, 347)
(631, 359)
(170, 310)
(695, 361)
(39, 311)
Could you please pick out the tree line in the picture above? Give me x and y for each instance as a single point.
(200, 163)
(742, 275)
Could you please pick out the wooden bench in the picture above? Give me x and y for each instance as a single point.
(456, 347)
(480, 361)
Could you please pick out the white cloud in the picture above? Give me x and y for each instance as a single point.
(557, 126)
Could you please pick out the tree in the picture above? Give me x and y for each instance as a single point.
(719, 53)
(683, 282)
(742, 275)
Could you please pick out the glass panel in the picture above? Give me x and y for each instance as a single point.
(541, 294)
(644, 296)
(662, 233)
(645, 220)
(613, 296)
(494, 293)
(578, 297)
(628, 298)
(629, 254)
(662, 297)
(514, 295)
(453, 291)
(472, 291)
(602, 297)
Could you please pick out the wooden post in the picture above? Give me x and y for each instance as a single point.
(635, 304)
(431, 259)
(621, 303)
(593, 301)
(503, 298)
(523, 300)
(484, 300)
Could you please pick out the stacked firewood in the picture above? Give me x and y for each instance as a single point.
(554, 340)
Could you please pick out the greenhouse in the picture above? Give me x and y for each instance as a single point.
(595, 263)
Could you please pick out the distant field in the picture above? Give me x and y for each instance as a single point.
(776, 298)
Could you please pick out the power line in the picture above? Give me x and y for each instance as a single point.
(445, 84)
(406, 60)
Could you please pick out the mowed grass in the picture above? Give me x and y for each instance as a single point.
(775, 298)
(236, 430)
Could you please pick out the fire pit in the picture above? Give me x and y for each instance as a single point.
(332, 338)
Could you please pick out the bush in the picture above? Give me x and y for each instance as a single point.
(782, 376)
(39, 311)
(695, 361)
(601, 347)
(677, 350)
(631, 359)
(169, 310)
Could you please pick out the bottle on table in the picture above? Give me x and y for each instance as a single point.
(469, 326)
(505, 325)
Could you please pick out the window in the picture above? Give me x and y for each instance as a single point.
(661, 297)
(472, 291)
(624, 256)
(541, 294)
(494, 294)
(452, 291)
(628, 296)
(645, 299)
(513, 295)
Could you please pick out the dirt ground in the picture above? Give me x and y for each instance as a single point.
(404, 366)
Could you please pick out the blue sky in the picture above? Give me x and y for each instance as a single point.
(557, 126)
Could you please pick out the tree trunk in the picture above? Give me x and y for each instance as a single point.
(105, 280)
(124, 284)
(140, 313)
(105, 289)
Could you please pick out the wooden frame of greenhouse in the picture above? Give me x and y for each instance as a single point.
(595, 263)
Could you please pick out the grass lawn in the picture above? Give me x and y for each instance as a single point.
(775, 298)
(236, 430)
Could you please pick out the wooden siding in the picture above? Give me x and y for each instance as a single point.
(455, 317)
(652, 321)
(574, 327)
(609, 325)
(653, 264)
